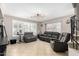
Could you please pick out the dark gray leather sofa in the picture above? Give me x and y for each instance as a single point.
(47, 36)
(29, 37)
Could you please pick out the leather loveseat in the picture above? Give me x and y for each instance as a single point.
(29, 37)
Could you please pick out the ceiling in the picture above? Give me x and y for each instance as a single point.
(47, 11)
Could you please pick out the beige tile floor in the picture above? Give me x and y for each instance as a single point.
(37, 48)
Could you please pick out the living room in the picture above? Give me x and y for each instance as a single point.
(36, 29)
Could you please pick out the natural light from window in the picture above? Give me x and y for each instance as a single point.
(24, 27)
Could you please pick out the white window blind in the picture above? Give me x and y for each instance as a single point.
(55, 27)
(24, 27)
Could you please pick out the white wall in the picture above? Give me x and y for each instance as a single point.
(64, 26)
(8, 24)
(40, 29)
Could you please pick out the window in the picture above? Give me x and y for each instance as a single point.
(24, 27)
(56, 27)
